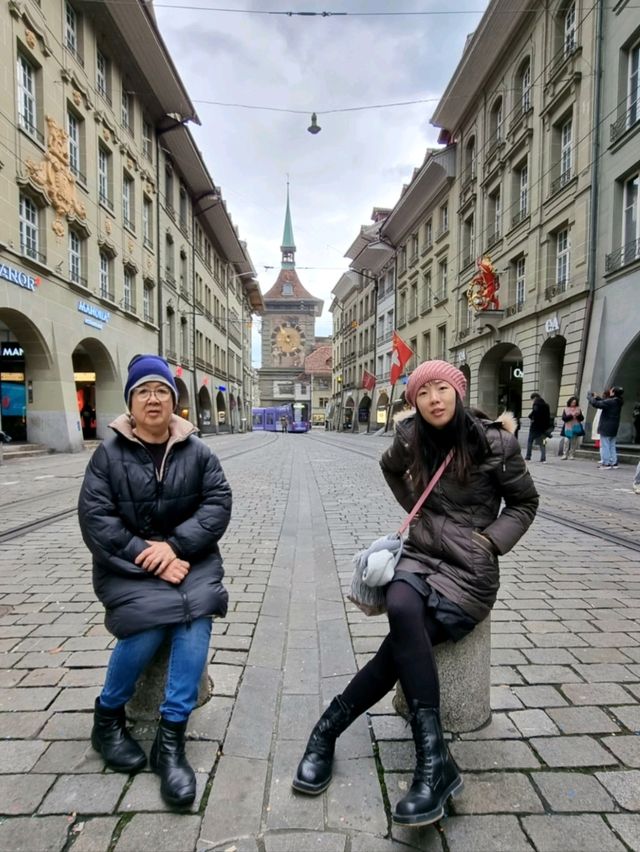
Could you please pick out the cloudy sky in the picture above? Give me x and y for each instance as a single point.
(360, 159)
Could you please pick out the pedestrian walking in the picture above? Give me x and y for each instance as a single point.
(446, 581)
(611, 407)
(153, 506)
(572, 419)
(540, 425)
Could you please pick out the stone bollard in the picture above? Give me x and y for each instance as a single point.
(149, 694)
(465, 681)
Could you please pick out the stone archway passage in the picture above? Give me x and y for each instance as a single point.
(221, 409)
(551, 369)
(99, 391)
(205, 408)
(500, 380)
(183, 409)
(626, 374)
(466, 371)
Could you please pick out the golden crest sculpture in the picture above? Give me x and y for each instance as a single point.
(55, 179)
(482, 294)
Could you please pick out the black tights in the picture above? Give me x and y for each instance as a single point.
(406, 654)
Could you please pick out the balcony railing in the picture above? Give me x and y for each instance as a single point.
(147, 317)
(628, 253)
(427, 303)
(107, 294)
(106, 201)
(495, 234)
(561, 181)
(514, 309)
(78, 279)
(148, 243)
(555, 289)
(413, 312)
(518, 114)
(627, 120)
(129, 224)
(520, 216)
(33, 253)
(467, 258)
(440, 295)
(30, 128)
(171, 355)
(78, 175)
(567, 51)
(169, 277)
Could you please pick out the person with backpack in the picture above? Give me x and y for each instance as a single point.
(540, 417)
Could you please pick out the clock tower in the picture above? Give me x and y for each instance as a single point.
(288, 329)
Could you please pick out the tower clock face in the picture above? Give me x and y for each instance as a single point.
(288, 339)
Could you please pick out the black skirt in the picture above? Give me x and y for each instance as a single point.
(454, 620)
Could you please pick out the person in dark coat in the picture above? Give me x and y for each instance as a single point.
(446, 580)
(611, 408)
(153, 506)
(540, 417)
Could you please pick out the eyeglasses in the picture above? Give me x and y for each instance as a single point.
(162, 394)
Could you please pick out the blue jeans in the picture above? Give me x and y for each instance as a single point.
(608, 454)
(187, 659)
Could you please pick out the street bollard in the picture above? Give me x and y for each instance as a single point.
(149, 694)
(464, 669)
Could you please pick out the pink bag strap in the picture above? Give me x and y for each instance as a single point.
(430, 486)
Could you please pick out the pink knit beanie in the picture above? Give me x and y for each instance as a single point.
(435, 371)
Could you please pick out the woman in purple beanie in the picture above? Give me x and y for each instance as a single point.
(446, 581)
(153, 506)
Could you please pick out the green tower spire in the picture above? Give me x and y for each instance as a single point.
(288, 247)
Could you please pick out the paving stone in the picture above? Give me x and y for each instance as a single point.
(242, 782)
(68, 726)
(34, 834)
(572, 791)
(81, 698)
(93, 835)
(70, 756)
(588, 833)
(287, 809)
(159, 833)
(629, 716)
(533, 723)
(485, 834)
(22, 726)
(494, 754)
(14, 700)
(596, 693)
(21, 794)
(85, 794)
(251, 726)
(500, 727)
(497, 792)
(502, 698)
(20, 755)
(296, 841)
(571, 751)
(624, 786)
(354, 799)
(390, 728)
(583, 720)
(144, 793)
(628, 827)
(298, 714)
(548, 674)
(210, 721)
(549, 656)
(540, 696)
(225, 679)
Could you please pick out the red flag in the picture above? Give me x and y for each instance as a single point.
(368, 380)
(400, 354)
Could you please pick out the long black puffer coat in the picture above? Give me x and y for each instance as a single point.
(124, 503)
(443, 538)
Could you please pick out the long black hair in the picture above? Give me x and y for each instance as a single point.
(463, 434)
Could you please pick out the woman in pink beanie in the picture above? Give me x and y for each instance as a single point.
(446, 581)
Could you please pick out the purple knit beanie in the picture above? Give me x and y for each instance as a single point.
(149, 368)
(435, 371)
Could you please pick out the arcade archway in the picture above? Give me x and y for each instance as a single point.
(349, 407)
(626, 375)
(381, 408)
(500, 380)
(466, 371)
(551, 368)
(98, 387)
(204, 408)
(221, 409)
(183, 408)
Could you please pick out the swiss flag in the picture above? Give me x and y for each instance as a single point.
(400, 355)
(368, 380)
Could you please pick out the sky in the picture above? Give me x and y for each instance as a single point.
(359, 160)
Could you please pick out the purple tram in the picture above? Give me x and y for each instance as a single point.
(291, 417)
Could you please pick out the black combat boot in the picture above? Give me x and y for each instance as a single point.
(168, 760)
(314, 770)
(436, 776)
(112, 740)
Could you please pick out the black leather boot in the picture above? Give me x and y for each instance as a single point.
(112, 740)
(436, 777)
(314, 770)
(168, 760)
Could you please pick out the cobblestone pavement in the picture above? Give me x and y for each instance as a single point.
(558, 767)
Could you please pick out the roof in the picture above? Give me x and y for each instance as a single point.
(298, 292)
(319, 361)
(287, 237)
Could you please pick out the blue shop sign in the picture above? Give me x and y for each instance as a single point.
(17, 276)
(95, 317)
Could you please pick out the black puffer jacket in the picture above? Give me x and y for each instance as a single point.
(444, 538)
(611, 409)
(124, 502)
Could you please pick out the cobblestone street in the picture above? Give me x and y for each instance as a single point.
(557, 768)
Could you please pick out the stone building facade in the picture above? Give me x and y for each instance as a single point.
(92, 111)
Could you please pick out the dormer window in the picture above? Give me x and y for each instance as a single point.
(287, 289)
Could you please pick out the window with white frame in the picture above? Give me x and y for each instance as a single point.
(27, 103)
(442, 342)
(520, 282)
(563, 258)
(631, 219)
(127, 110)
(470, 159)
(74, 131)
(525, 87)
(102, 75)
(127, 202)
(414, 247)
(443, 272)
(147, 302)
(105, 276)
(128, 290)
(427, 291)
(29, 231)
(426, 345)
(522, 189)
(147, 140)
(184, 339)
(71, 29)
(495, 215)
(569, 41)
(566, 151)
(147, 222)
(468, 240)
(104, 176)
(633, 85)
(428, 234)
(75, 258)
(444, 218)
(496, 124)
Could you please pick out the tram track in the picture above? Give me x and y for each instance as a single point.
(557, 517)
(31, 526)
